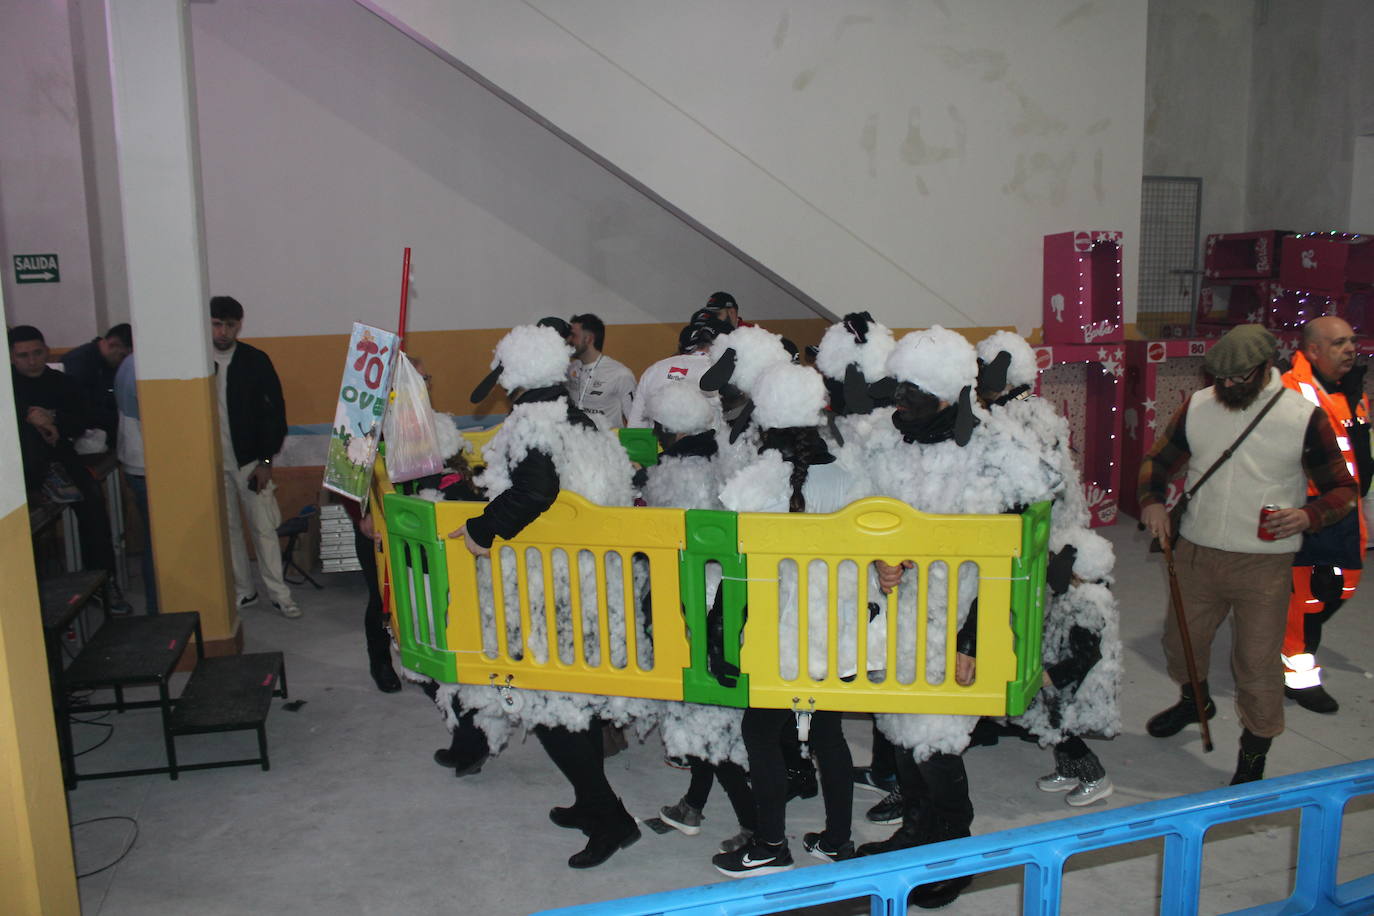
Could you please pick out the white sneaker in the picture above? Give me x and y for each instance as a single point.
(247, 600)
(1089, 792)
(288, 609)
(1056, 782)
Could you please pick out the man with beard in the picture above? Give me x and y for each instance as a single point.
(601, 387)
(1226, 559)
(1324, 372)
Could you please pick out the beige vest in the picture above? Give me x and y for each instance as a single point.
(1265, 470)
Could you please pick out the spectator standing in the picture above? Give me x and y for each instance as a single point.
(601, 387)
(252, 426)
(93, 365)
(129, 450)
(52, 414)
(1325, 373)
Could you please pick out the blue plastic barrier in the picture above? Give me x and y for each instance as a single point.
(1183, 822)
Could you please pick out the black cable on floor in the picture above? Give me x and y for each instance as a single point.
(132, 840)
(109, 732)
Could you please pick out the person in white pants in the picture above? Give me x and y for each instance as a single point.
(252, 425)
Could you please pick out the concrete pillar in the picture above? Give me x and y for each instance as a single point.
(37, 874)
(159, 182)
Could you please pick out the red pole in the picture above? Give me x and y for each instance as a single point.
(405, 299)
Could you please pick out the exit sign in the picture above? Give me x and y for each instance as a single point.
(36, 268)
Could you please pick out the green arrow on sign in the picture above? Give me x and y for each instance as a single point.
(36, 268)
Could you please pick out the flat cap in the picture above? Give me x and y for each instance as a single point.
(1240, 350)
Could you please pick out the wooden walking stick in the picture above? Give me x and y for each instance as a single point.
(1182, 622)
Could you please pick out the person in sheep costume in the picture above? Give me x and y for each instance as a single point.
(852, 357)
(794, 472)
(738, 361)
(546, 444)
(1081, 649)
(707, 736)
(942, 457)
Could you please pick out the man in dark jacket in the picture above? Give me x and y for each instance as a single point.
(252, 425)
(52, 413)
(92, 366)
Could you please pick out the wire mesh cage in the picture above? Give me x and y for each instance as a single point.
(1170, 216)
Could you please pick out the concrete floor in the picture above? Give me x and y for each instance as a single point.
(354, 818)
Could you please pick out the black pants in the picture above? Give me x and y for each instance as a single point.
(763, 737)
(579, 757)
(734, 779)
(378, 643)
(936, 791)
(97, 550)
(884, 755)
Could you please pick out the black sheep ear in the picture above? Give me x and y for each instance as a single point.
(856, 399)
(992, 377)
(741, 422)
(479, 394)
(834, 429)
(964, 420)
(718, 376)
(1059, 571)
(883, 389)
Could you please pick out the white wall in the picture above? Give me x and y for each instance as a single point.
(1305, 104)
(42, 183)
(329, 141)
(1196, 116)
(902, 157)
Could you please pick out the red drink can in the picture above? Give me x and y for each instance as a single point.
(1265, 512)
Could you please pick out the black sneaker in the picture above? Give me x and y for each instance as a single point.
(887, 811)
(755, 859)
(815, 844)
(865, 778)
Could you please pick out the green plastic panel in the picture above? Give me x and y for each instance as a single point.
(1028, 606)
(713, 535)
(640, 444)
(419, 587)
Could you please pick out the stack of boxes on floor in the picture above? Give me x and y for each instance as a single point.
(1271, 277)
(1082, 357)
(1240, 279)
(338, 552)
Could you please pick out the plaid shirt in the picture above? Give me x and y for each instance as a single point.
(1321, 460)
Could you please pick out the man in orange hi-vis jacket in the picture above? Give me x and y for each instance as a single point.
(1324, 372)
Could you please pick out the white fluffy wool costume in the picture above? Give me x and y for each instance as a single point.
(792, 397)
(939, 477)
(592, 464)
(748, 351)
(841, 347)
(1021, 370)
(690, 481)
(1089, 706)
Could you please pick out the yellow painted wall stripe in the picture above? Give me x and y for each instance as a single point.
(37, 874)
(186, 501)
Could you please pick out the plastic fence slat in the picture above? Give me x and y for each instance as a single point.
(1042, 850)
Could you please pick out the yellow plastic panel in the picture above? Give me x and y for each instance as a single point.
(573, 527)
(477, 440)
(889, 530)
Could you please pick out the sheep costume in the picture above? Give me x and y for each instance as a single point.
(739, 359)
(789, 397)
(1087, 700)
(592, 464)
(687, 479)
(1081, 650)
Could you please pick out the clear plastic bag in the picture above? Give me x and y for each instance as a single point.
(412, 444)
